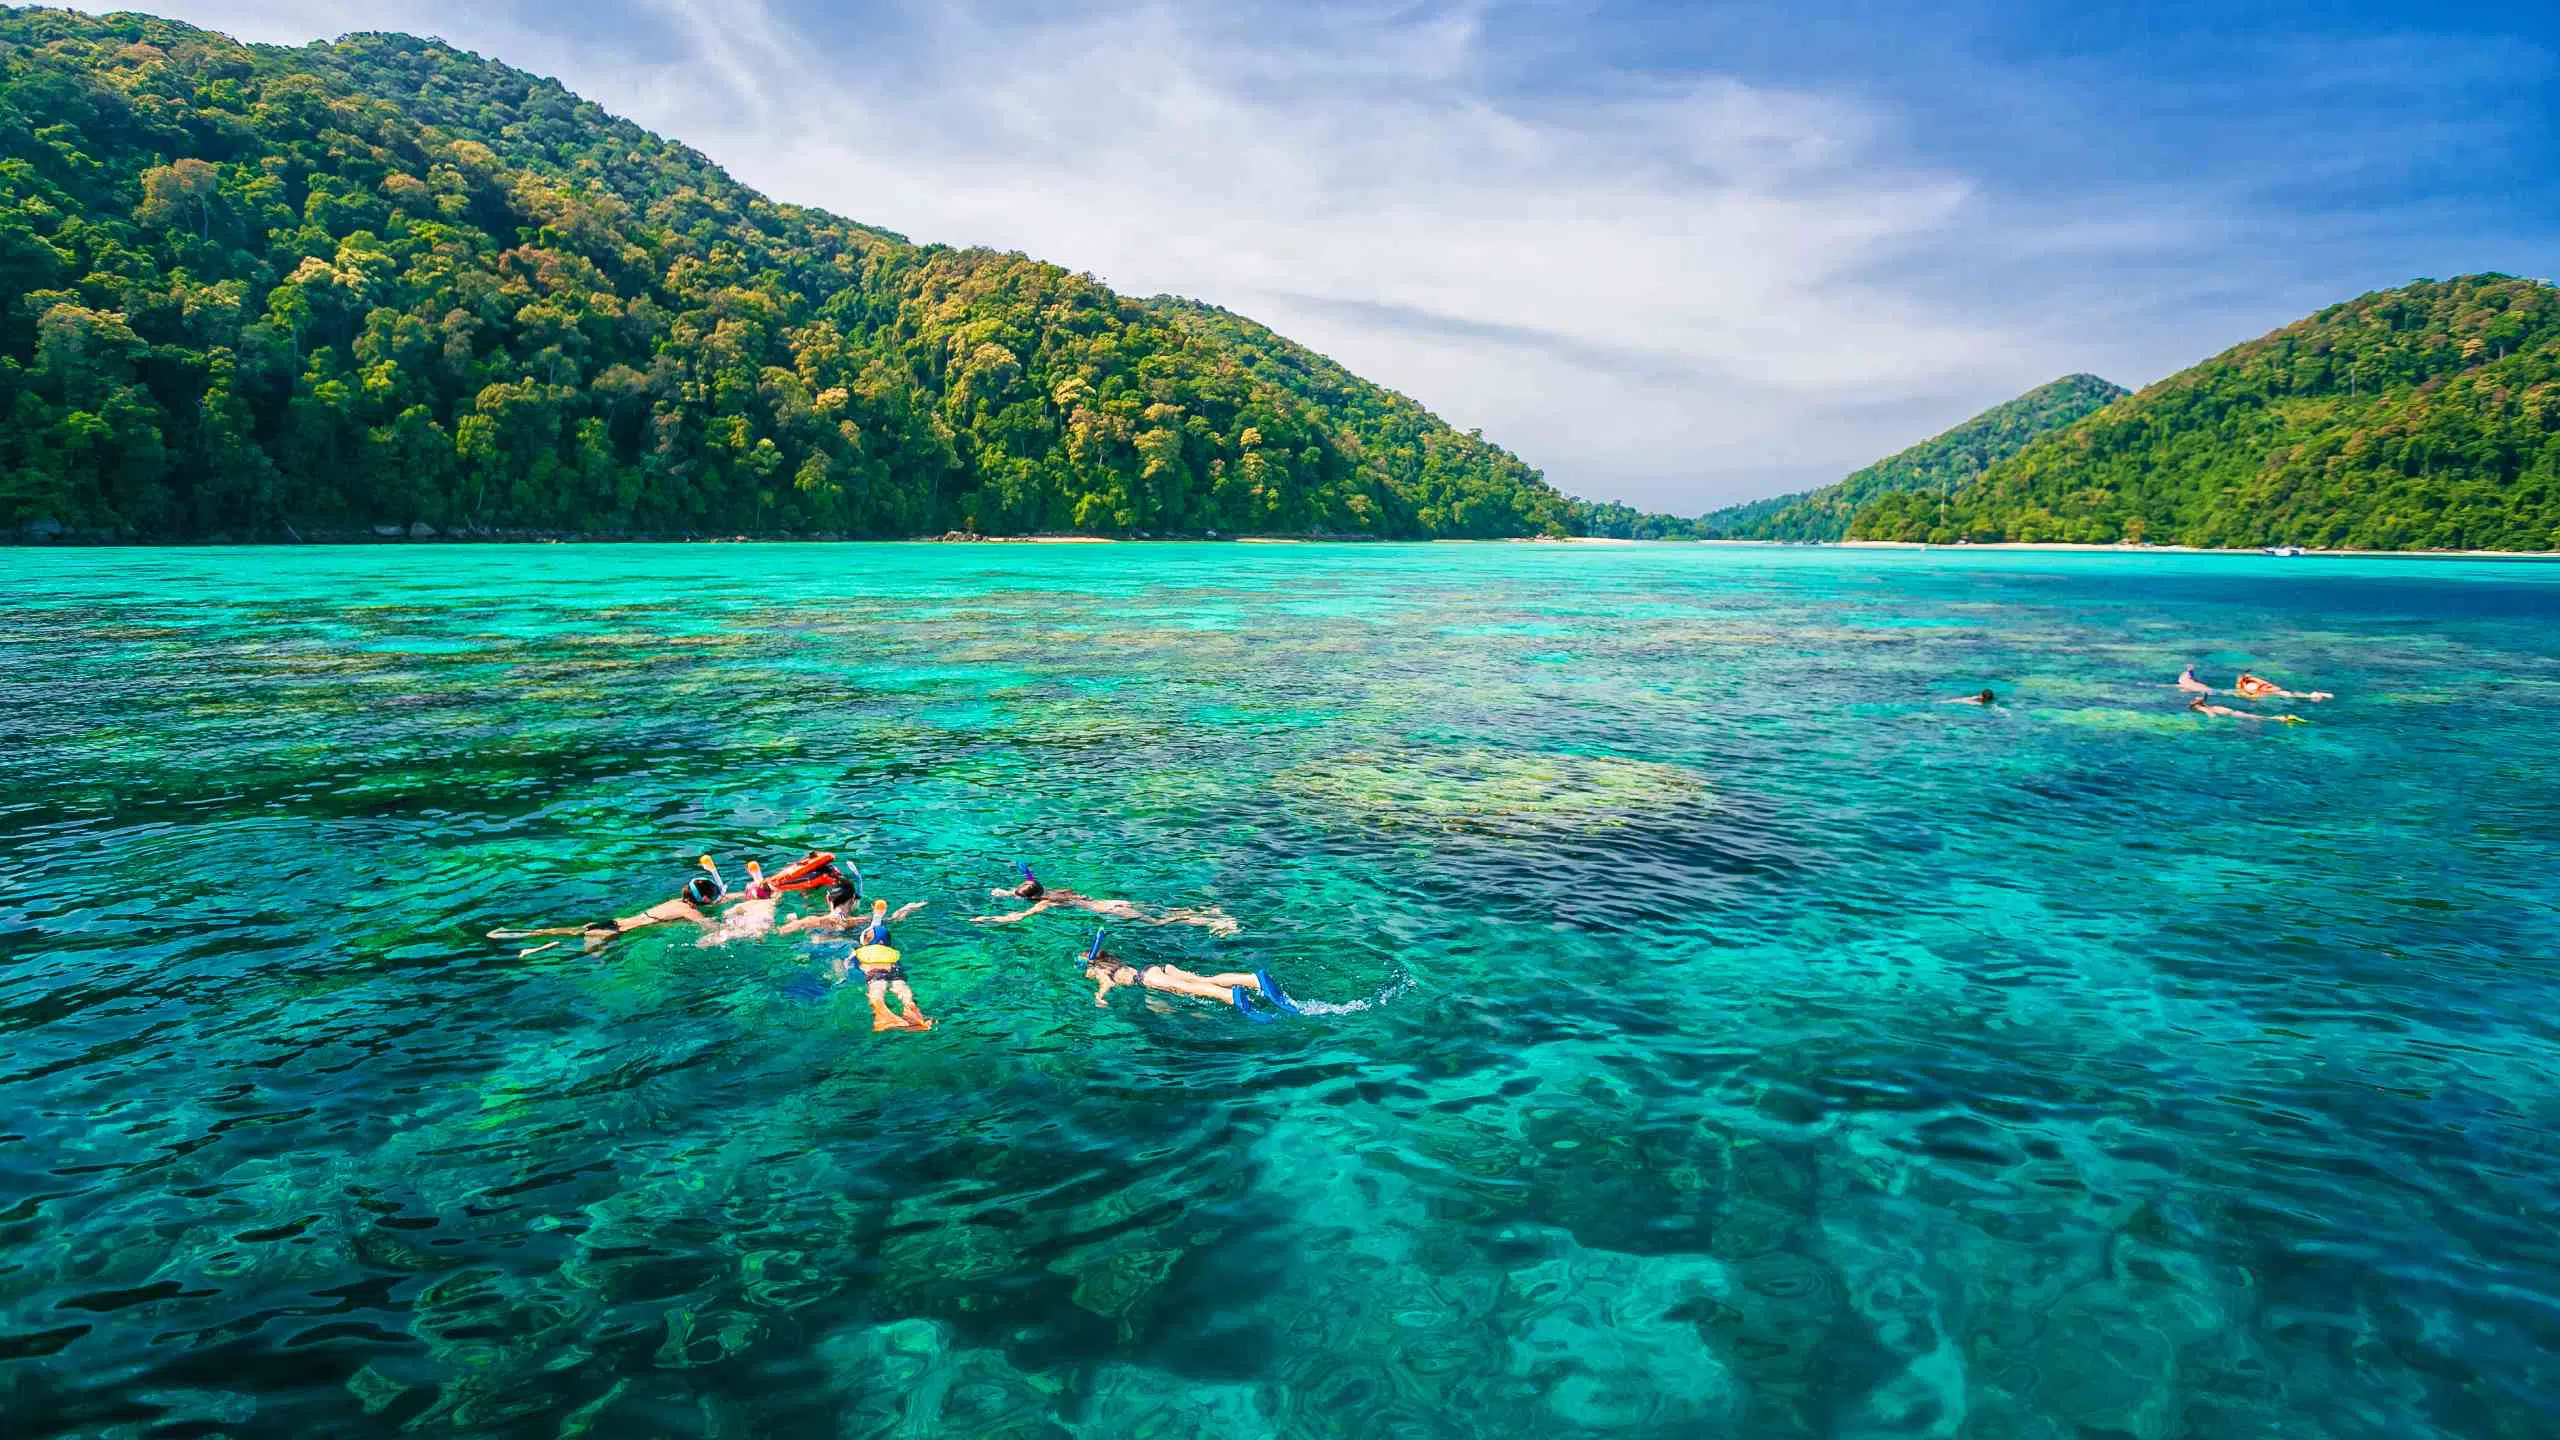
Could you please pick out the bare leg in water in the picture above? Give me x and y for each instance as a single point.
(884, 1018)
(1213, 920)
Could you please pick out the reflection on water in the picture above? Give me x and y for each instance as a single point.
(1715, 1035)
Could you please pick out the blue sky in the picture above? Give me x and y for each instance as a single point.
(1676, 254)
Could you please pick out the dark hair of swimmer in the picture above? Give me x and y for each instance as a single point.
(2195, 702)
(1986, 697)
(1030, 888)
(701, 890)
(843, 895)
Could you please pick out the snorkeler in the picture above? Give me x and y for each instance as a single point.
(843, 910)
(750, 911)
(1986, 699)
(699, 894)
(1108, 972)
(1044, 897)
(2253, 687)
(2188, 682)
(2199, 706)
(884, 971)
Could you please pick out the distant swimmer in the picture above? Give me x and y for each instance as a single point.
(1985, 698)
(1109, 972)
(2225, 712)
(2252, 687)
(1046, 897)
(698, 895)
(2188, 682)
(884, 972)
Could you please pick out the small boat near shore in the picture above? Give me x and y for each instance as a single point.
(2287, 551)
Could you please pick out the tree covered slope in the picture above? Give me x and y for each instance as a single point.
(1934, 466)
(2426, 417)
(253, 290)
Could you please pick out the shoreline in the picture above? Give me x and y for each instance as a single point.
(2080, 548)
(533, 537)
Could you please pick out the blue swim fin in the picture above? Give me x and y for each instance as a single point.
(1237, 995)
(1272, 993)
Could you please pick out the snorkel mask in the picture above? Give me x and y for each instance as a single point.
(707, 889)
(877, 932)
(1030, 888)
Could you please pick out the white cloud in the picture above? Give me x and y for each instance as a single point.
(1672, 292)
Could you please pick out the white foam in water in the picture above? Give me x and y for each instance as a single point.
(1393, 988)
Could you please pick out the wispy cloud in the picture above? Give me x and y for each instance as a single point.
(1661, 281)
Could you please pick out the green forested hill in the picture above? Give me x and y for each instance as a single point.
(253, 291)
(1934, 466)
(2426, 417)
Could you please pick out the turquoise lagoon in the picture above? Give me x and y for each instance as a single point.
(1723, 1037)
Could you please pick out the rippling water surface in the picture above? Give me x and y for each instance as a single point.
(1730, 1039)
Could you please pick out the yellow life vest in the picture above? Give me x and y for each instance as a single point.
(876, 957)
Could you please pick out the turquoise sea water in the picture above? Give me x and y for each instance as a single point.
(1727, 1038)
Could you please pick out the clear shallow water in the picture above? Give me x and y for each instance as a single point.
(1759, 1048)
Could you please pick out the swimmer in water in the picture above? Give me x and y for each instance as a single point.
(1046, 897)
(750, 911)
(1985, 699)
(699, 894)
(2253, 687)
(2188, 682)
(844, 912)
(884, 972)
(2225, 712)
(1109, 972)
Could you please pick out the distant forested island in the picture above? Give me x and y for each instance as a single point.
(2421, 418)
(1934, 466)
(384, 284)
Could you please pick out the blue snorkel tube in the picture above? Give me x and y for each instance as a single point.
(1095, 953)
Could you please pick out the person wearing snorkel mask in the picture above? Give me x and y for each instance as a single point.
(752, 911)
(1051, 897)
(698, 896)
(1109, 972)
(884, 971)
(844, 911)
(749, 912)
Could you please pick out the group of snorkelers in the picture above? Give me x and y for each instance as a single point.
(706, 902)
(2199, 697)
(2246, 687)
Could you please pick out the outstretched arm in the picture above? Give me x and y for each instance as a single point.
(1009, 919)
(1101, 988)
(903, 911)
(805, 922)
